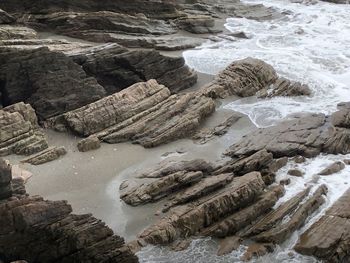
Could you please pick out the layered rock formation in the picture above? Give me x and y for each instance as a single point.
(145, 113)
(328, 238)
(37, 230)
(249, 77)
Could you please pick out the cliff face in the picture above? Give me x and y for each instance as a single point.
(37, 230)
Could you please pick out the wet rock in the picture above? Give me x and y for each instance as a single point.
(166, 168)
(346, 161)
(186, 220)
(19, 132)
(306, 134)
(181, 245)
(33, 228)
(276, 216)
(237, 221)
(328, 238)
(198, 24)
(205, 135)
(160, 188)
(285, 87)
(45, 156)
(282, 232)
(295, 172)
(285, 181)
(145, 113)
(229, 244)
(43, 79)
(333, 168)
(88, 144)
(299, 159)
(117, 68)
(257, 250)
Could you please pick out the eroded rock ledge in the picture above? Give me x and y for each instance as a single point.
(37, 230)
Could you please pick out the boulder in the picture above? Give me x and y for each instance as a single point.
(295, 172)
(88, 144)
(255, 250)
(333, 168)
(229, 244)
(5, 180)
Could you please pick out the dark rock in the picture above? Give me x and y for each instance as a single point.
(299, 159)
(88, 144)
(116, 68)
(50, 81)
(257, 250)
(285, 181)
(198, 24)
(45, 156)
(346, 161)
(5, 18)
(333, 168)
(5, 180)
(295, 172)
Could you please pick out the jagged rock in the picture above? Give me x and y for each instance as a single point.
(116, 68)
(295, 172)
(16, 32)
(145, 113)
(229, 244)
(333, 168)
(248, 77)
(45, 156)
(206, 135)
(160, 187)
(285, 87)
(202, 188)
(50, 81)
(198, 24)
(243, 78)
(276, 216)
(88, 144)
(166, 168)
(306, 134)
(280, 233)
(257, 250)
(187, 220)
(328, 238)
(255, 162)
(233, 223)
(33, 229)
(5, 18)
(19, 132)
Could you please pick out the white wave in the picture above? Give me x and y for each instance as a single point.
(310, 45)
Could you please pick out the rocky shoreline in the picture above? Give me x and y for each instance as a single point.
(111, 87)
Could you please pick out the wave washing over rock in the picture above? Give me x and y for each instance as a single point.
(308, 45)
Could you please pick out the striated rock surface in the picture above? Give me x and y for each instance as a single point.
(249, 77)
(37, 230)
(50, 81)
(333, 168)
(144, 113)
(328, 238)
(19, 133)
(187, 220)
(6, 18)
(116, 68)
(8, 32)
(45, 156)
(88, 144)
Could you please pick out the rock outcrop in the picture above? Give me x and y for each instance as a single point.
(5, 18)
(145, 113)
(37, 230)
(116, 68)
(333, 168)
(19, 133)
(45, 156)
(249, 77)
(328, 238)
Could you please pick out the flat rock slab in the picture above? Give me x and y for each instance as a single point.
(45, 156)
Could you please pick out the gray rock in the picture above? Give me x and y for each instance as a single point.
(45, 156)
(88, 144)
(333, 168)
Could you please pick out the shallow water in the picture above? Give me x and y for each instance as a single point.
(309, 45)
